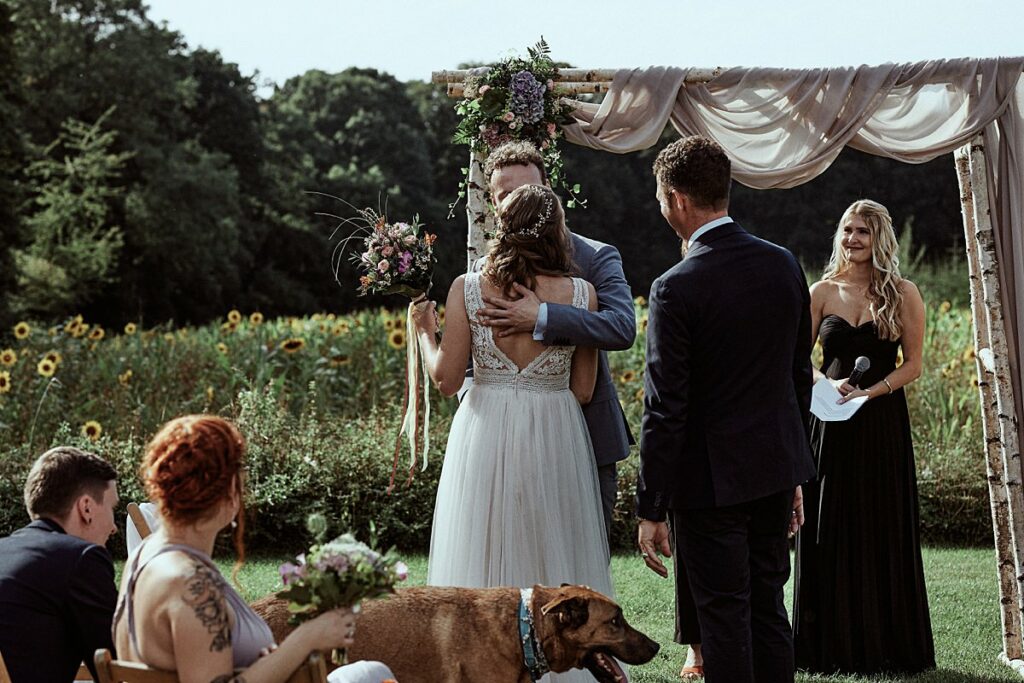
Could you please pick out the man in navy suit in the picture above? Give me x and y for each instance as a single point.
(57, 592)
(724, 445)
(611, 328)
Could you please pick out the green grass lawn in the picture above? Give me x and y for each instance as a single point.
(962, 591)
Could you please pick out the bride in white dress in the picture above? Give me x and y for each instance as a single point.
(518, 500)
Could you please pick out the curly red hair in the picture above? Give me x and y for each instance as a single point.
(193, 464)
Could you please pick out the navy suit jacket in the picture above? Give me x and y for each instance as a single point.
(57, 599)
(727, 387)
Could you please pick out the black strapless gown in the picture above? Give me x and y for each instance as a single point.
(860, 603)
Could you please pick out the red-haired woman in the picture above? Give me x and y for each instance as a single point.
(176, 611)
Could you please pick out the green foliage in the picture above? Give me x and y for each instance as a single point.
(74, 246)
(11, 160)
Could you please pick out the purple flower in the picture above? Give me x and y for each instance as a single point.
(527, 97)
(401, 571)
(405, 262)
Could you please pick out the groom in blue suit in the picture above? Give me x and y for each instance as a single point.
(611, 328)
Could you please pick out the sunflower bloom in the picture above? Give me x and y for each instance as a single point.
(234, 316)
(389, 324)
(168, 337)
(5, 381)
(627, 377)
(222, 347)
(8, 357)
(92, 430)
(228, 327)
(640, 301)
(22, 330)
(97, 333)
(54, 357)
(130, 329)
(292, 345)
(397, 339)
(256, 318)
(339, 359)
(125, 378)
(46, 367)
(339, 329)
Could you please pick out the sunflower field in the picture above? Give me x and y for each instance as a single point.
(319, 399)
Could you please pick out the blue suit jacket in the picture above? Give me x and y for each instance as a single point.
(57, 599)
(727, 389)
(612, 327)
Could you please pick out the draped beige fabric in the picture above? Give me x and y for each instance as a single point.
(783, 127)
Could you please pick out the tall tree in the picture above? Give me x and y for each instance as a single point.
(11, 160)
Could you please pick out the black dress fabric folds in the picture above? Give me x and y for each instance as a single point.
(860, 602)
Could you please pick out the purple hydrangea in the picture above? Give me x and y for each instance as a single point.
(527, 97)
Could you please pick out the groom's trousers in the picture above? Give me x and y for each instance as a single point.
(737, 563)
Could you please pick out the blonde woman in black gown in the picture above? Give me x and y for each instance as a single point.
(860, 600)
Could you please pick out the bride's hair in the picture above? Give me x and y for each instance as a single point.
(884, 297)
(531, 239)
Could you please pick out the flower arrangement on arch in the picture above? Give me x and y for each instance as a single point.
(516, 100)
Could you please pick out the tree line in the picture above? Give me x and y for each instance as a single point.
(143, 179)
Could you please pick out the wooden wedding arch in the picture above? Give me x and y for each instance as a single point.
(993, 359)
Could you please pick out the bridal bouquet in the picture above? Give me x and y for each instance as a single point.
(340, 573)
(397, 258)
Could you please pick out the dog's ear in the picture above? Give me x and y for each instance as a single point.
(572, 611)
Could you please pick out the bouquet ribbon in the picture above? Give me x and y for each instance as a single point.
(415, 373)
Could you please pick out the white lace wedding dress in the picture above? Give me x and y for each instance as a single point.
(518, 501)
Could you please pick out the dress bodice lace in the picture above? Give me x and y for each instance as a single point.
(548, 371)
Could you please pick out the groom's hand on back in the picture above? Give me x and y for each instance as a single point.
(511, 316)
(652, 538)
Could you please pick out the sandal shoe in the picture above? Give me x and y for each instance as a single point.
(692, 673)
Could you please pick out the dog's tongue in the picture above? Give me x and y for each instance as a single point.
(611, 666)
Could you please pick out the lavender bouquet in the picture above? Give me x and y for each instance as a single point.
(340, 573)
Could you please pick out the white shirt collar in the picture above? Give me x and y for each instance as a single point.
(708, 226)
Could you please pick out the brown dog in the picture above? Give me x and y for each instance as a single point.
(470, 635)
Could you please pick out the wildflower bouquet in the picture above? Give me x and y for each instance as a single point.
(397, 258)
(515, 100)
(340, 573)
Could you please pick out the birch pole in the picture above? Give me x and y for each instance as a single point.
(1009, 594)
(479, 218)
(997, 355)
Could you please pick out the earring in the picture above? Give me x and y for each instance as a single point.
(234, 524)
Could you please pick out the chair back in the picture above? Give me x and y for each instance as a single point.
(109, 670)
(4, 676)
(139, 519)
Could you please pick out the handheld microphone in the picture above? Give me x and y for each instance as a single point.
(860, 366)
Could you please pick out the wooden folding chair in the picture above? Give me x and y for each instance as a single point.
(4, 676)
(139, 520)
(314, 670)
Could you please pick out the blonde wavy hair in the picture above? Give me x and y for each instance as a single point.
(884, 297)
(531, 239)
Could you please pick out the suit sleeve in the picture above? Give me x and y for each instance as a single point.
(666, 394)
(803, 375)
(92, 597)
(612, 327)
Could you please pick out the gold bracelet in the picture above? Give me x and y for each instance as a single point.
(887, 384)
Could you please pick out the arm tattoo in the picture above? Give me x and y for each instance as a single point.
(204, 595)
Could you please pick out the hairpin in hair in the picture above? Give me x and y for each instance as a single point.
(542, 219)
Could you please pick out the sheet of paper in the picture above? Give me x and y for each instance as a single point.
(824, 406)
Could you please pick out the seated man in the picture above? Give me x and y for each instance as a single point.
(57, 591)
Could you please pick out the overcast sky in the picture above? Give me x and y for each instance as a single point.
(411, 39)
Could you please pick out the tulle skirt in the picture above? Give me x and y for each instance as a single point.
(518, 500)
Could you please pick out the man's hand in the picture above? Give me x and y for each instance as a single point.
(796, 517)
(652, 538)
(511, 316)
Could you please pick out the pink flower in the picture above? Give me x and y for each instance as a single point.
(383, 266)
(402, 571)
(552, 130)
(508, 117)
(387, 251)
(483, 89)
(550, 84)
(410, 240)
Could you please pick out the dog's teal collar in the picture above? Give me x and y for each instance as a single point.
(533, 653)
